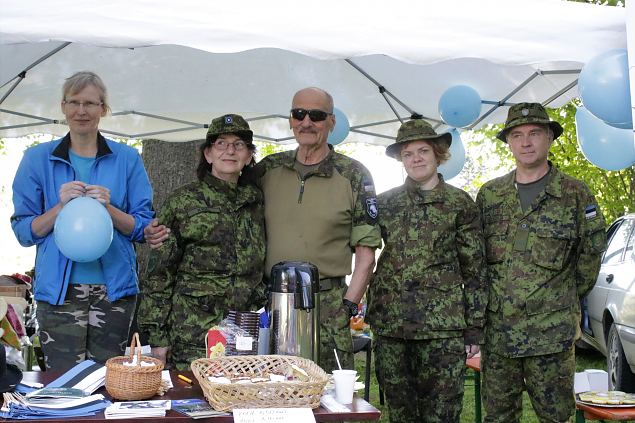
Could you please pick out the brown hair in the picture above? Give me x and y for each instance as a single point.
(205, 168)
(440, 148)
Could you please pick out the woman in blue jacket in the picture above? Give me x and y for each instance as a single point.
(84, 310)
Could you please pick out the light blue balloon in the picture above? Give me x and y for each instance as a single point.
(453, 167)
(342, 127)
(604, 87)
(603, 145)
(83, 229)
(460, 106)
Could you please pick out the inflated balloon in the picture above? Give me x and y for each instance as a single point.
(603, 145)
(341, 129)
(604, 87)
(453, 167)
(83, 229)
(460, 106)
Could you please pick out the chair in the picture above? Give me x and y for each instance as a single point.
(364, 343)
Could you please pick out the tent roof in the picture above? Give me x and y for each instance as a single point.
(172, 66)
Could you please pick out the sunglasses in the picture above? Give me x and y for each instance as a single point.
(314, 114)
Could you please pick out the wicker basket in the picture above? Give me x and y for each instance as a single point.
(133, 383)
(226, 397)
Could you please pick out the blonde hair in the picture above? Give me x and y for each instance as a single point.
(80, 80)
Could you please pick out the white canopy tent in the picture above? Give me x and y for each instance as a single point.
(172, 66)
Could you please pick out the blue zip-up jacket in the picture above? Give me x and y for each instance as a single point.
(42, 171)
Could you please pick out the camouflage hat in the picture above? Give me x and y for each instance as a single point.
(415, 130)
(230, 124)
(522, 113)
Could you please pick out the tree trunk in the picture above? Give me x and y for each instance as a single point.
(169, 166)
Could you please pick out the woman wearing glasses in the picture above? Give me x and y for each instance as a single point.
(213, 260)
(84, 309)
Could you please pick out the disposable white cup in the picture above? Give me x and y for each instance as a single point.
(344, 385)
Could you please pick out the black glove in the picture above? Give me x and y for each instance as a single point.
(351, 307)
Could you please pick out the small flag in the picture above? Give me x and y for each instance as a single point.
(590, 211)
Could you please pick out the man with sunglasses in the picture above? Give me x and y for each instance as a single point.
(320, 207)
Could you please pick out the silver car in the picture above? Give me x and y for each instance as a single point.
(609, 325)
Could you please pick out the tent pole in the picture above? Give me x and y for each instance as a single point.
(382, 90)
(22, 75)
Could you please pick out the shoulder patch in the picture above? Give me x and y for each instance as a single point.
(371, 207)
(590, 211)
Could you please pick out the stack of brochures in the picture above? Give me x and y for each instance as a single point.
(67, 396)
(135, 409)
(195, 408)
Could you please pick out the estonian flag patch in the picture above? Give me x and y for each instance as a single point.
(590, 211)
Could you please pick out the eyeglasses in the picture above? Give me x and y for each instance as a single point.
(223, 145)
(314, 114)
(88, 105)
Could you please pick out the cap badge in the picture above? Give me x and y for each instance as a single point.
(229, 120)
(525, 112)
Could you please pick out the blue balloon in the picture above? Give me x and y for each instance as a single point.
(603, 145)
(605, 90)
(83, 229)
(453, 167)
(341, 129)
(460, 106)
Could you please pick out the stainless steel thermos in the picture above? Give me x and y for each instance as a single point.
(295, 309)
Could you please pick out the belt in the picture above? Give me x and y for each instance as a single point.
(330, 283)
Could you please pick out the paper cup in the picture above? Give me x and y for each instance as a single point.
(344, 385)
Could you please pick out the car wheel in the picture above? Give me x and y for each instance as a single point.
(620, 376)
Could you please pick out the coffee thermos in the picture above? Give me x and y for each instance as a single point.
(295, 309)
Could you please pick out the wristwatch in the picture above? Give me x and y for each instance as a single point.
(351, 306)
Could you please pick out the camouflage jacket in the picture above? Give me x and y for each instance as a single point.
(429, 280)
(213, 259)
(540, 263)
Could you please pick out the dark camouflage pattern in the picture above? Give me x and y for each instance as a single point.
(548, 379)
(335, 331)
(230, 124)
(422, 379)
(86, 326)
(523, 113)
(429, 282)
(212, 263)
(540, 263)
(415, 130)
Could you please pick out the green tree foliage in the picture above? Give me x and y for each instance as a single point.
(614, 191)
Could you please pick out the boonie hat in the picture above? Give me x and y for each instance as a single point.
(522, 113)
(230, 124)
(415, 129)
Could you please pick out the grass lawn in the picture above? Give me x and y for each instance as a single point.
(585, 359)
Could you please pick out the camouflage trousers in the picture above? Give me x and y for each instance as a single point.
(547, 378)
(86, 326)
(422, 379)
(335, 332)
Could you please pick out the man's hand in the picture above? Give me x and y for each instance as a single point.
(471, 350)
(155, 234)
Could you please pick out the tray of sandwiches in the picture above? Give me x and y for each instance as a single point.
(607, 398)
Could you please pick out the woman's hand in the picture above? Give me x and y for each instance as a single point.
(71, 190)
(99, 193)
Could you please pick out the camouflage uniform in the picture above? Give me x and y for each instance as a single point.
(540, 263)
(94, 330)
(427, 293)
(320, 219)
(212, 263)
